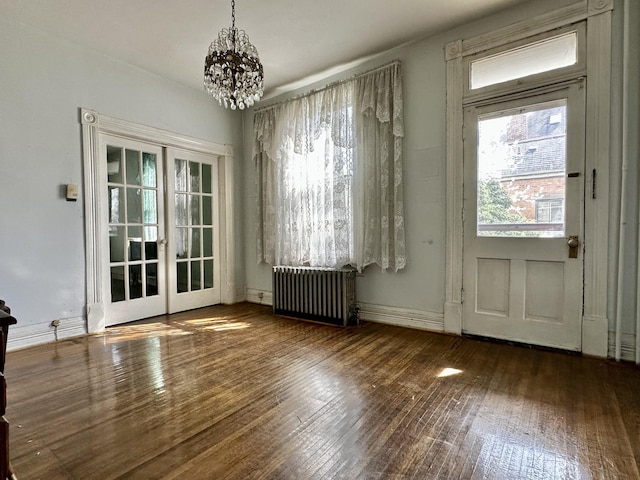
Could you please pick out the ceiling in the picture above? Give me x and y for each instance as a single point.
(296, 39)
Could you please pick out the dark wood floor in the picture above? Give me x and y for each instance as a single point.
(236, 393)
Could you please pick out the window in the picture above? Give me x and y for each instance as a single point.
(550, 210)
(521, 171)
(330, 176)
(543, 56)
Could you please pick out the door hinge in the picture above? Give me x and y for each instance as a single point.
(593, 184)
(462, 295)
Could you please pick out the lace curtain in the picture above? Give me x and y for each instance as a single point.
(329, 175)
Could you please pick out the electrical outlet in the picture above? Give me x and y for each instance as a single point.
(55, 323)
(260, 295)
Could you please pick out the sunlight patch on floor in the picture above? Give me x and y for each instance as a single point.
(447, 372)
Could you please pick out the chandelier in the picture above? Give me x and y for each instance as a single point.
(233, 73)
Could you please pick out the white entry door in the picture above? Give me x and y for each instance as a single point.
(134, 265)
(194, 247)
(523, 219)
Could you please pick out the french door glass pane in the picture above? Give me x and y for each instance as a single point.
(148, 170)
(134, 205)
(117, 284)
(208, 274)
(151, 243)
(150, 206)
(194, 209)
(133, 167)
(207, 213)
(181, 242)
(116, 205)
(207, 242)
(521, 163)
(195, 275)
(116, 244)
(195, 242)
(182, 270)
(135, 281)
(181, 175)
(181, 209)
(194, 174)
(206, 178)
(114, 164)
(152, 279)
(135, 242)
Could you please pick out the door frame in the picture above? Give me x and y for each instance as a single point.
(93, 125)
(598, 15)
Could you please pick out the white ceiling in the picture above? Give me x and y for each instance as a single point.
(295, 39)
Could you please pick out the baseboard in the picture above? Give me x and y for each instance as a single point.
(241, 294)
(628, 350)
(31, 335)
(263, 297)
(402, 317)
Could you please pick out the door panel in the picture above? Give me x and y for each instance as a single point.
(192, 213)
(523, 196)
(134, 282)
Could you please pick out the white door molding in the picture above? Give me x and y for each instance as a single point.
(94, 124)
(597, 14)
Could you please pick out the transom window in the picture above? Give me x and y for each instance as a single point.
(538, 57)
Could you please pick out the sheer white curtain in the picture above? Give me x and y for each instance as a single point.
(329, 175)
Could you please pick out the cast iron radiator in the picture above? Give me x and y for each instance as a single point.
(320, 294)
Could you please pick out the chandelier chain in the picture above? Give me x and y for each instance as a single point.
(233, 15)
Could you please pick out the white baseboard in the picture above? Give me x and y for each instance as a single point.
(263, 297)
(628, 350)
(402, 317)
(241, 294)
(30, 335)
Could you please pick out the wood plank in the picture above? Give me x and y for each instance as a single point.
(235, 392)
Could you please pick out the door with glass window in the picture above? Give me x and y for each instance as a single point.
(523, 218)
(134, 262)
(193, 247)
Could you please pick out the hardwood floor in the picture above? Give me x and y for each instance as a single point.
(237, 393)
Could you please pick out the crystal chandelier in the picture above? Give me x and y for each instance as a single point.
(232, 70)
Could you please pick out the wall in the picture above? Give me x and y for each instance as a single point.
(44, 82)
(414, 296)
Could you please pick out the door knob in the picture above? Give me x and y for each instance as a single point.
(572, 241)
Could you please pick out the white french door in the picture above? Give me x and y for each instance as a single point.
(134, 265)
(193, 246)
(523, 218)
(162, 229)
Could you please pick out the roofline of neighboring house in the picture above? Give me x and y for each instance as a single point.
(536, 175)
